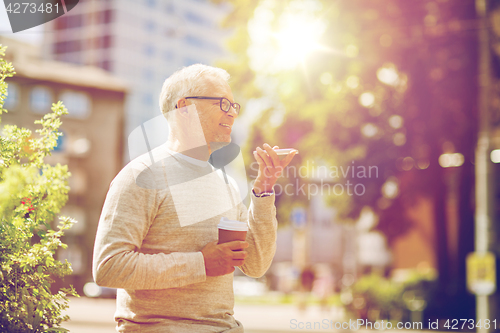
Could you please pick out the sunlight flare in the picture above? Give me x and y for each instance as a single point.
(282, 42)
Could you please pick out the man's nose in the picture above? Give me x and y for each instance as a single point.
(232, 112)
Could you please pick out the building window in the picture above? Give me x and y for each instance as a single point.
(73, 58)
(74, 255)
(170, 8)
(103, 42)
(197, 19)
(105, 17)
(41, 99)
(149, 74)
(193, 41)
(68, 22)
(78, 181)
(150, 26)
(149, 50)
(77, 103)
(12, 99)
(148, 99)
(169, 55)
(67, 46)
(106, 65)
(200, 43)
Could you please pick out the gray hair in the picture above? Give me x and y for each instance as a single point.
(188, 81)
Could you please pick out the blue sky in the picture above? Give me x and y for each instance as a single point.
(33, 35)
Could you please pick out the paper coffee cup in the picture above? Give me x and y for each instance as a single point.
(230, 230)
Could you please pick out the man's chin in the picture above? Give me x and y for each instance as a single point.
(218, 145)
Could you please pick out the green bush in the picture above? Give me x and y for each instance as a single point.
(31, 194)
(375, 297)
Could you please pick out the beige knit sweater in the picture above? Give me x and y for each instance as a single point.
(159, 213)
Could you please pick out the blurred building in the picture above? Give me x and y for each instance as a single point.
(142, 42)
(323, 236)
(416, 248)
(92, 142)
(319, 238)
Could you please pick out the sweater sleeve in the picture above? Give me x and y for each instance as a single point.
(128, 212)
(261, 235)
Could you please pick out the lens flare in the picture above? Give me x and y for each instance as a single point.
(297, 37)
(281, 42)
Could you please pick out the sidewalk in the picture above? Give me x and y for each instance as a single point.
(284, 318)
(90, 315)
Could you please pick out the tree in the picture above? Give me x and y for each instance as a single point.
(31, 194)
(393, 85)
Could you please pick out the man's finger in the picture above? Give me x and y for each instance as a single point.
(262, 163)
(237, 245)
(272, 154)
(263, 154)
(238, 262)
(239, 255)
(288, 159)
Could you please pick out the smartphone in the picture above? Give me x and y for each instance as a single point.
(285, 151)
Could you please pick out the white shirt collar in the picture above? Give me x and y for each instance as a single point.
(189, 159)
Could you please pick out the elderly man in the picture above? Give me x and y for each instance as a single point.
(157, 235)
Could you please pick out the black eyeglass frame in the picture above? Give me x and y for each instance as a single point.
(235, 106)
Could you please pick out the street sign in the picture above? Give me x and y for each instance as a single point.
(481, 273)
(298, 217)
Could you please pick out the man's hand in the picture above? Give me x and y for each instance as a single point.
(270, 167)
(220, 259)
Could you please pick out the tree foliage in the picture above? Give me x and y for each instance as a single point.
(389, 88)
(31, 194)
(393, 85)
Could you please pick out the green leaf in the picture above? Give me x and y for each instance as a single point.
(37, 320)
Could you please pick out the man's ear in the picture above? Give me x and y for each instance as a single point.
(182, 106)
(181, 103)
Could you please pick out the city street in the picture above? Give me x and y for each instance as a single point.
(96, 316)
(125, 150)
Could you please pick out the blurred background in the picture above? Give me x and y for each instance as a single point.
(394, 106)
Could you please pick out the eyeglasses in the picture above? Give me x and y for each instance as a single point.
(225, 104)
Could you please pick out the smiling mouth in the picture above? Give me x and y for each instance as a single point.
(225, 125)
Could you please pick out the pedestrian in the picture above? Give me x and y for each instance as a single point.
(323, 287)
(307, 277)
(157, 235)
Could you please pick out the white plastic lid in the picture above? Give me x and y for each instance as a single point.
(228, 224)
